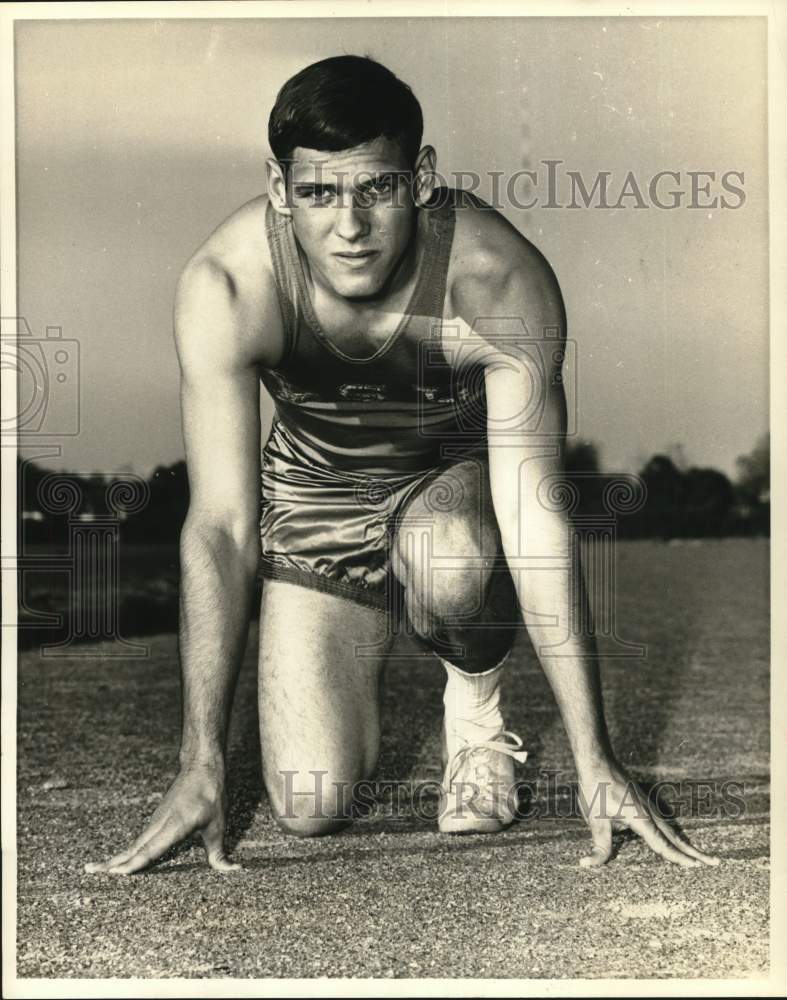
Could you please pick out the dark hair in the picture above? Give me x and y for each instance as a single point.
(342, 102)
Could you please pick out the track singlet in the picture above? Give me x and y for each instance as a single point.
(393, 413)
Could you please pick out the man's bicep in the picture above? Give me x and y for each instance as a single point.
(524, 354)
(513, 317)
(525, 399)
(221, 430)
(220, 404)
(524, 349)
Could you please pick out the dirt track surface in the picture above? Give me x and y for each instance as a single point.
(391, 897)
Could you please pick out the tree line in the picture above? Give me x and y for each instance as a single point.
(680, 501)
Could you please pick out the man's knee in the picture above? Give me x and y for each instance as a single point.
(310, 826)
(453, 597)
(441, 590)
(310, 804)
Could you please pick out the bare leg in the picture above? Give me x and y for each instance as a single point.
(461, 600)
(318, 703)
(446, 547)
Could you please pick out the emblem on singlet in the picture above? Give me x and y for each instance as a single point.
(286, 392)
(363, 393)
(360, 392)
(434, 394)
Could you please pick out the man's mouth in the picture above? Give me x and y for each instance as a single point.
(356, 258)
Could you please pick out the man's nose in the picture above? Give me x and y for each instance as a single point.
(351, 222)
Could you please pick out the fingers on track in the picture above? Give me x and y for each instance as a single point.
(677, 841)
(601, 831)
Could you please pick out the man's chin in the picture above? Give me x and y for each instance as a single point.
(357, 286)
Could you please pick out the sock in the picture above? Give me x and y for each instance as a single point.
(472, 703)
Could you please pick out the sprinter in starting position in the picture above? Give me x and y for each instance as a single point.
(412, 342)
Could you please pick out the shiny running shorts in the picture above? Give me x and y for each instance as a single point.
(332, 530)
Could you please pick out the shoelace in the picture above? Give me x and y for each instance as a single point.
(470, 746)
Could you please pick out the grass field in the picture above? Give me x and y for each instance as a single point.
(97, 744)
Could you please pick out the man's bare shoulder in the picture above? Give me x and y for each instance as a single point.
(493, 265)
(239, 241)
(229, 279)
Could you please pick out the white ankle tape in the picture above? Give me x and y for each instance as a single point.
(450, 667)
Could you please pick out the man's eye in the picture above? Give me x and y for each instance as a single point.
(314, 196)
(373, 190)
(382, 186)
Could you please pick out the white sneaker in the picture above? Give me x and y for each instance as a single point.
(477, 795)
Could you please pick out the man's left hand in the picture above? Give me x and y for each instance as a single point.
(611, 800)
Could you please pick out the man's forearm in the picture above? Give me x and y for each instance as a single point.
(217, 589)
(549, 604)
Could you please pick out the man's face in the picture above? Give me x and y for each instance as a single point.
(353, 214)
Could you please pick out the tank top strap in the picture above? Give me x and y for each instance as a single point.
(285, 274)
(430, 296)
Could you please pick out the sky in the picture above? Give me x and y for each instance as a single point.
(135, 139)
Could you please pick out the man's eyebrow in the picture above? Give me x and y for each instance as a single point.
(312, 187)
(381, 175)
(364, 180)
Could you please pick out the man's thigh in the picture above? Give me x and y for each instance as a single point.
(320, 662)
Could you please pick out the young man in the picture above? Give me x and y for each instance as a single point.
(412, 342)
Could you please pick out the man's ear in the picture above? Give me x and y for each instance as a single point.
(277, 186)
(424, 175)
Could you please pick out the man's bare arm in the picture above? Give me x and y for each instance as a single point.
(220, 540)
(219, 557)
(527, 422)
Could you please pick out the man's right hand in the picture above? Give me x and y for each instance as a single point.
(194, 804)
